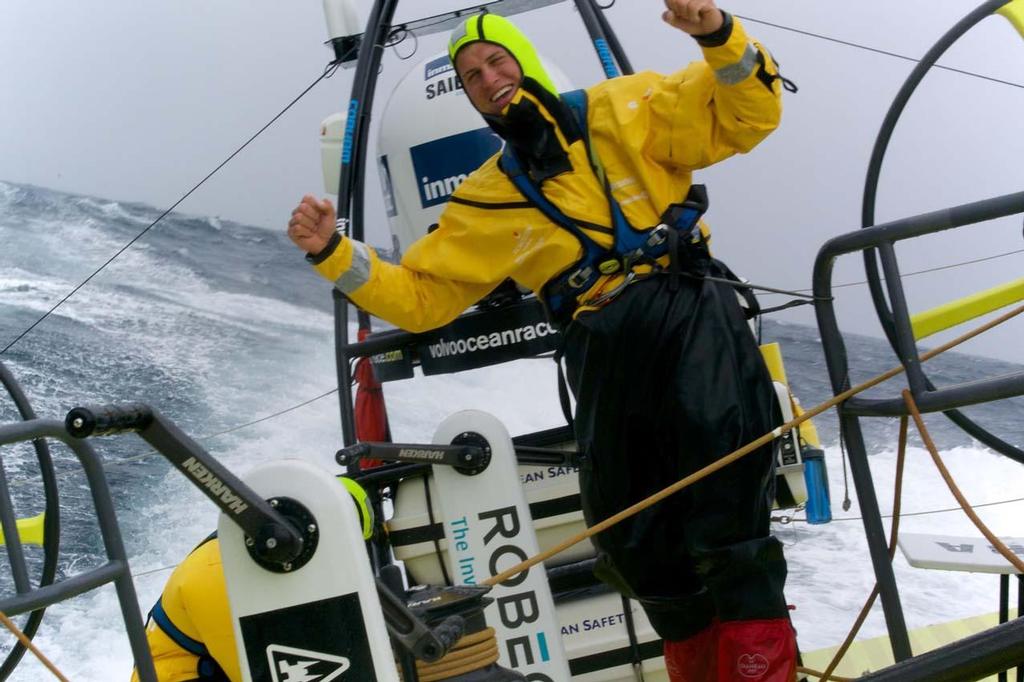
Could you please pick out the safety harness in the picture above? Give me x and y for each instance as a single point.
(677, 234)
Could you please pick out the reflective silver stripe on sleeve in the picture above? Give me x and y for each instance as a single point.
(738, 72)
(359, 272)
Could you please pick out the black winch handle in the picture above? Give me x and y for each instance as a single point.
(275, 539)
(105, 420)
(468, 459)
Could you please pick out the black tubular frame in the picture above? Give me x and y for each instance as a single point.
(877, 244)
(929, 399)
(885, 315)
(51, 522)
(351, 184)
(351, 187)
(115, 570)
(609, 50)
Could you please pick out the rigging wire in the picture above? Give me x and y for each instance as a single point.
(785, 519)
(904, 275)
(878, 51)
(211, 436)
(920, 513)
(327, 73)
(940, 267)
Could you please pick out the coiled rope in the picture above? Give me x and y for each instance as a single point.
(472, 652)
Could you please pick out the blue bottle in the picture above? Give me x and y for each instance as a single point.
(819, 506)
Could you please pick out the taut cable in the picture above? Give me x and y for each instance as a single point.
(741, 452)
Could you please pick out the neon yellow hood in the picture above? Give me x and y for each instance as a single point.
(491, 28)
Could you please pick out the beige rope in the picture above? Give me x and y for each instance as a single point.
(16, 631)
(741, 452)
(989, 535)
(893, 534)
(817, 673)
(947, 477)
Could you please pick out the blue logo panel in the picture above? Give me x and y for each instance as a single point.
(441, 165)
(436, 67)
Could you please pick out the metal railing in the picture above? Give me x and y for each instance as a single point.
(929, 398)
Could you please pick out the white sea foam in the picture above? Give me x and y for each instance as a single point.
(113, 210)
(830, 568)
(7, 192)
(29, 290)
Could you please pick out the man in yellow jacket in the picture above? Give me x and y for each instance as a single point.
(666, 374)
(189, 630)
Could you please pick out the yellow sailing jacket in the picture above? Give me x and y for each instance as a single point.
(195, 601)
(648, 131)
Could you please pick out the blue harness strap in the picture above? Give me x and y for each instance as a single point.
(193, 646)
(629, 245)
(207, 668)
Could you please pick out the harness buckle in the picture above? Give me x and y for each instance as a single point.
(657, 236)
(612, 293)
(579, 278)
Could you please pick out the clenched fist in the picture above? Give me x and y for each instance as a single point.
(312, 224)
(696, 17)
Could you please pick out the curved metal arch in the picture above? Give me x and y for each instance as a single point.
(878, 297)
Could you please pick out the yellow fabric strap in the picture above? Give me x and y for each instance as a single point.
(361, 499)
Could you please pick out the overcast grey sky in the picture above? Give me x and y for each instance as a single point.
(137, 101)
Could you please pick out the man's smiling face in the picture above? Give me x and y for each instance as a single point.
(490, 75)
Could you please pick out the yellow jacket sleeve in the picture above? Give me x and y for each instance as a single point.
(408, 298)
(487, 233)
(713, 109)
(205, 594)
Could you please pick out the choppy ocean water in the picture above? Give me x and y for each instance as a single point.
(219, 324)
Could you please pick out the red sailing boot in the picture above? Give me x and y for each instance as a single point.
(693, 659)
(756, 651)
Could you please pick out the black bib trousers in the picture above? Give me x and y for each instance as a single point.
(667, 379)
